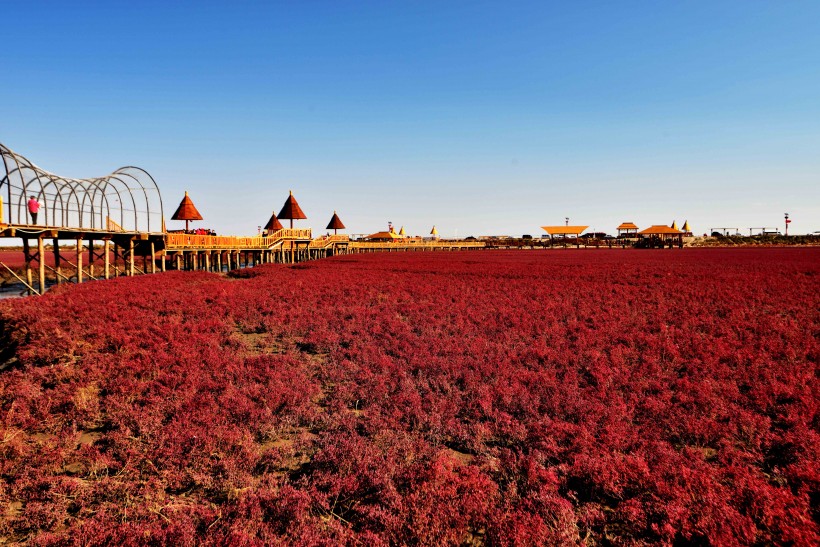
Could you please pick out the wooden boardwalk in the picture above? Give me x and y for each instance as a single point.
(103, 254)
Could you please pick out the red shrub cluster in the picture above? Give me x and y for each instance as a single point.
(510, 398)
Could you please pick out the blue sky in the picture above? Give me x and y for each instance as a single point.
(479, 117)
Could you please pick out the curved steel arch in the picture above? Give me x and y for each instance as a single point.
(80, 203)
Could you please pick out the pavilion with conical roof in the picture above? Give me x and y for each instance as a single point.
(335, 223)
(186, 211)
(291, 210)
(402, 233)
(273, 225)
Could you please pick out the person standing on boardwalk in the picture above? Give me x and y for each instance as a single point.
(33, 209)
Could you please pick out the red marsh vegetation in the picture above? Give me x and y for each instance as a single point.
(504, 398)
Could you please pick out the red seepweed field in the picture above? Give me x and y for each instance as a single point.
(503, 398)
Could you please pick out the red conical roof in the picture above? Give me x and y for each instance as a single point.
(273, 224)
(335, 223)
(291, 209)
(186, 210)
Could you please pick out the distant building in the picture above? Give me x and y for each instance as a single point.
(564, 231)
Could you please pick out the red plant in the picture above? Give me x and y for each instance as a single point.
(433, 398)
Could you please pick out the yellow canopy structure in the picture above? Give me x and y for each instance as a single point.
(564, 230)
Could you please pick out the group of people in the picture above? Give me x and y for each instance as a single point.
(195, 232)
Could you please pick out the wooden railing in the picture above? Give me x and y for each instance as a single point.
(193, 241)
(328, 240)
(398, 243)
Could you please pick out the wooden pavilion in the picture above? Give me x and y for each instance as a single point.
(335, 223)
(389, 235)
(291, 210)
(186, 211)
(273, 225)
(627, 229)
(660, 234)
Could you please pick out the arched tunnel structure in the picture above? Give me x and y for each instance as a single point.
(127, 200)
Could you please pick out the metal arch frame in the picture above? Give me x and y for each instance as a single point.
(131, 186)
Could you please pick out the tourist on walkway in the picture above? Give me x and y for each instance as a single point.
(33, 209)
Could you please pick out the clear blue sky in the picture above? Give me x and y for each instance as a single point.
(479, 117)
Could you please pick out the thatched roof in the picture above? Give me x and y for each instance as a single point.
(291, 210)
(186, 210)
(273, 224)
(335, 223)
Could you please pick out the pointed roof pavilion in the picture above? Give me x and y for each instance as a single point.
(674, 225)
(273, 224)
(686, 227)
(402, 232)
(335, 223)
(186, 211)
(434, 232)
(291, 210)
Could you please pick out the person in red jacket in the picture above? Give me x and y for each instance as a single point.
(33, 209)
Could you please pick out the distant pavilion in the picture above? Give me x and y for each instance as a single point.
(663, 233)
(627, 229)
(564, 231)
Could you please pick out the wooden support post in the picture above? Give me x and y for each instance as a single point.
(91, 257)
(27, 254)
(106, 258)
(153, 259)
(79, 260)
(131, 257)
(164, 258)
(219, 261)
(41, 258)
(207, 262)
(57, 268)
(179, 262)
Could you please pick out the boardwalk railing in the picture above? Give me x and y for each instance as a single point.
(193, 241)
(326, 241)
(398, 243)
